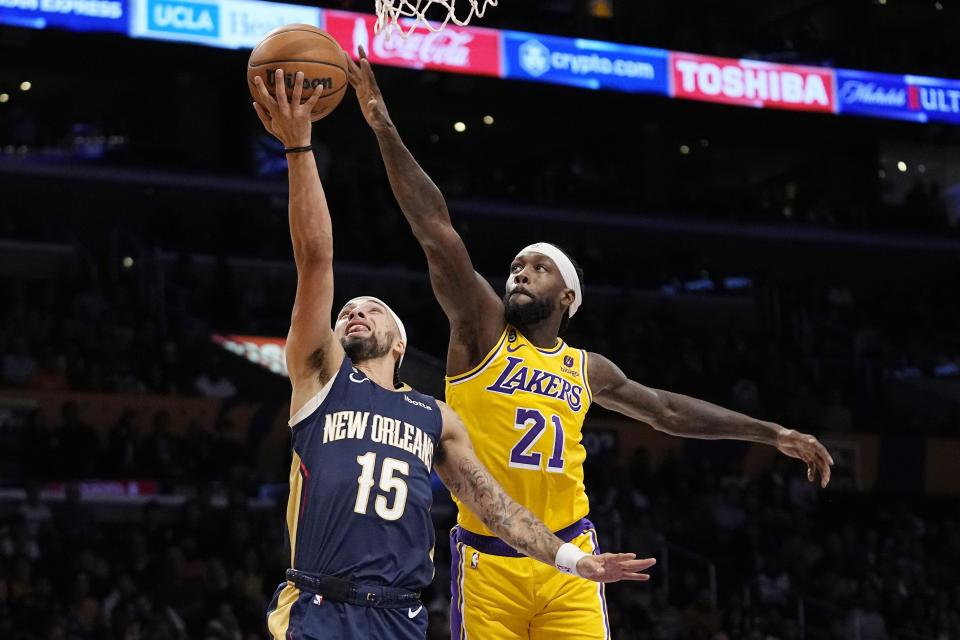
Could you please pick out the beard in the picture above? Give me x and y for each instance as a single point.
(365, 348)
(526, 314)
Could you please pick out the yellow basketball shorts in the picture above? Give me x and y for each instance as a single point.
(497, 594)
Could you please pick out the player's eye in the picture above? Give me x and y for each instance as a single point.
(540, 267)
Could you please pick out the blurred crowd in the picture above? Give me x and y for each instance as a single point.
(773, 557)
(824, 363)
(817, 335)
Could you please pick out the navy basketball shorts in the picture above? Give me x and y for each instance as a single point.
(296, 614)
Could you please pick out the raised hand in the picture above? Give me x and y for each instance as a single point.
(289, 121)
(364, 84)
(807, 448)
(613, 567)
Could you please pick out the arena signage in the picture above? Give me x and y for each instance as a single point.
(874, 94)
(460, 49)
(935, 98)
(885, 95)
(751, 83)
(75, 15)
(592, 64)
(230, 24)
(262, 350)
(584, 63)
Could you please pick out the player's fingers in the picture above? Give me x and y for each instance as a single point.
(819, 464)
(824, 454)
(353, 72)
(262, 114)
(362, 52)
(282, 104)
(367, 71)
(636, 577)
(638, 565)
(312, 100)
(297, 95)
(824, 473)
(266, 99)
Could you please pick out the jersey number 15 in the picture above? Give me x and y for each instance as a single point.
(388, 482)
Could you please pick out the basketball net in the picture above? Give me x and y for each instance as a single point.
(389, 12)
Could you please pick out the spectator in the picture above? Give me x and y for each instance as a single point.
(51, 375)
(79, 447)
(213, 382)
(18, 365)
(159, 454)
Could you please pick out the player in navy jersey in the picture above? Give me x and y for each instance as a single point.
(363, 446)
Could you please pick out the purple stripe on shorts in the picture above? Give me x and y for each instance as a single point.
(497, 547)
(601, 588)
(456, 593)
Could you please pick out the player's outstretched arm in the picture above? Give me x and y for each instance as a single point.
(313, 353)
(467, 478)
(475, 311)
(681, 415)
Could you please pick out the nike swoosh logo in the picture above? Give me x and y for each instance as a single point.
(413, 614)
(516, 348)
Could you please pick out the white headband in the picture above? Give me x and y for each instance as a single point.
(396, 318)
(567, 270)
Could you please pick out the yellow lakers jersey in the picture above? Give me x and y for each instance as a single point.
(524, 407)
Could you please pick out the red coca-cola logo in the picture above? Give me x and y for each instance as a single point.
(447, 48)
(460, 49)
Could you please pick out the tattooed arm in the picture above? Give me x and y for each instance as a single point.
(467, 478)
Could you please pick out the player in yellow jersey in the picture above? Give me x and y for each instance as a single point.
(523, 393)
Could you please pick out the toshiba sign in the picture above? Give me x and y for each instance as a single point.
(751, 83)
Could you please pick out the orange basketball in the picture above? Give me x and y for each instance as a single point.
(301, 47)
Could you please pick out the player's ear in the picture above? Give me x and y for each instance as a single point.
(567, 297)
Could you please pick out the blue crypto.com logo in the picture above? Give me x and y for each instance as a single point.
(534, 57)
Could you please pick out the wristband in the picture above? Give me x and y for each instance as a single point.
(568, 555)
(309, 147)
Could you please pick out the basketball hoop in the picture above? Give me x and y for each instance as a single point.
(390, 12)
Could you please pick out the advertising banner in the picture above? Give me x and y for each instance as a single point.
(262, 350)
(751, 83)
(936, 98)
(229, 24)
(460, 49)
(585, 63)
(74, 15)
(903, 97)
(881, 95)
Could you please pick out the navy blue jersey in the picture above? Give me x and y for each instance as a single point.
(360, 492)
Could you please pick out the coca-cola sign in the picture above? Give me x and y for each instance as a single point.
(460, 49)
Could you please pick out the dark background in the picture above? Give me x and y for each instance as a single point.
(847, 326)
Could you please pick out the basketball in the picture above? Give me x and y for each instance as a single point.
(301, 47)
